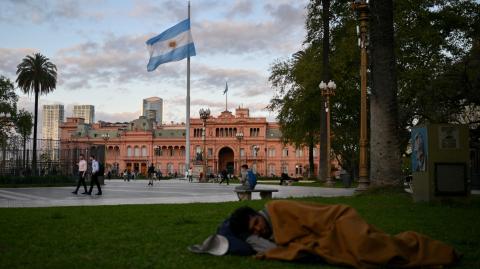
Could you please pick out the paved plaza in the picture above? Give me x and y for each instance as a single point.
(118, 192)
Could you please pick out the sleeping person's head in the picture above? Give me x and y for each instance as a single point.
(245, 221)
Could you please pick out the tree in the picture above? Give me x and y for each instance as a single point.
(24, 124)
(37, 75)
(297, 99)
(8, 107)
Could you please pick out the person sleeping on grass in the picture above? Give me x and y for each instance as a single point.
(335, 234)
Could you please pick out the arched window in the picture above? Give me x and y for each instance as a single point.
(144, 151)
(137, 151)
(129, 151)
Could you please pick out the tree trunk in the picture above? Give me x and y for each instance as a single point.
(324, 155)
(384, 143)
(34, 151)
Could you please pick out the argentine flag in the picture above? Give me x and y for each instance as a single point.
(174, 44)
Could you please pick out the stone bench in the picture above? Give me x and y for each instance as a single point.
(247, 194)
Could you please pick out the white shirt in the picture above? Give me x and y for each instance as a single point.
(94, 166)
(82, 166)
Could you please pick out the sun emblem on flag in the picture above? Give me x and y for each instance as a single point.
(172, 44)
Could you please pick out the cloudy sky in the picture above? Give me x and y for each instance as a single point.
(99, 49)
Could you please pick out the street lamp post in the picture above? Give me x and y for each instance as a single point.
(327, 91)
(105, 138)
(204, 114)
(239, 136)
(361, 8)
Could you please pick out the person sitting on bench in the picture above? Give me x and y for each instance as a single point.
(247, 179)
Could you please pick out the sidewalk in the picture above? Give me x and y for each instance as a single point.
(175, 191)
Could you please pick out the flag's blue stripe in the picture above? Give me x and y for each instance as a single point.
(171, 32)
(174, 55)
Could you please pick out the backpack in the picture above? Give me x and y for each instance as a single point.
(252, 179)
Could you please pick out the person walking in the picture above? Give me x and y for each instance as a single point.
(95, 169)
(82, 171)
(151, 174)
(190, 176)
(224, 176)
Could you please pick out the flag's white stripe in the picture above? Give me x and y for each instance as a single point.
(163, 47)
(174, 55)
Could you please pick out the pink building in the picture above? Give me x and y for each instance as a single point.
(230, 141)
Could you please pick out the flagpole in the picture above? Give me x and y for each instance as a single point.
(187, 124)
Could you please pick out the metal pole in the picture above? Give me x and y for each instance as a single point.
(187, 124)
(364, 181)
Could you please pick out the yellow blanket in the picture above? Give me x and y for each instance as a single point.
(340, 236)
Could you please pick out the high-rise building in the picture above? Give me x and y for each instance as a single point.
(153, 109)
(87, 112)
(52, 119)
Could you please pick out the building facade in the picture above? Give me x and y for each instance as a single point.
(226, 142)
(53, 116)
(87, 112)
(153, 109)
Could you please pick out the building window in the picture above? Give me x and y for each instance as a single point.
(137, 151)
(299, 152)
(144, 151)
(285, 169)
(254, 131)
(299, 169)
(242, 152)
(210, 152)
(285, 152)
(271, 169)
(182, 151)
(170, 151)
(181, 168)
(314, 152)
(129, 151)
(254, 152)
(170, 168)
(158, 151)
(254, 168)
(271, 152)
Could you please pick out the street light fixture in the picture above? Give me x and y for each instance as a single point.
(204, 115)
(327, 91)
(361, 8)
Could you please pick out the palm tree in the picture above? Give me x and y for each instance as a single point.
(36, 74)
(24, 124)
(384, 143)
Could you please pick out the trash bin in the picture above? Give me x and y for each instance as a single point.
(346, 179)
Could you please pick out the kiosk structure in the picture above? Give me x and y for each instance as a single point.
(440, 160)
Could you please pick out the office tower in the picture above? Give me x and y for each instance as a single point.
(52, 119)
(153, 109)
(86, 112)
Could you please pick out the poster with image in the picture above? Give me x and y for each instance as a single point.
(419, 149)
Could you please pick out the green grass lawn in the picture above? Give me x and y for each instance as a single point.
(157, 236)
